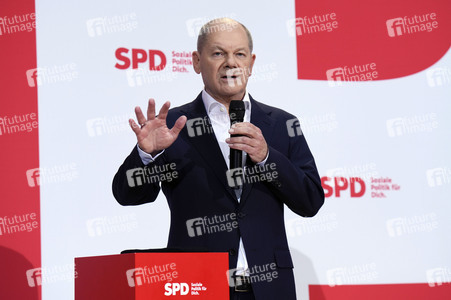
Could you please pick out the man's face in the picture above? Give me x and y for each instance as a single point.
(225, 62)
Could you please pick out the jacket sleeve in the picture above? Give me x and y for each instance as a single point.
(129, 183)
(298, 183)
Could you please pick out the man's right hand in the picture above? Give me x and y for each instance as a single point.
(152, 133)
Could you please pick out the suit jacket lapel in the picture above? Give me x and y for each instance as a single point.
(206, 143)
(262, 120)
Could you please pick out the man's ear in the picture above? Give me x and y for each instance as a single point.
(252, 64)
(196, 62)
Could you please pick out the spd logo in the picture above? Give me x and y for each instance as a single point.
(336, 185)
(155, 59)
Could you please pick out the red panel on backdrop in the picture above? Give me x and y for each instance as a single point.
(354, 40)
(20, 246)
(419, 291)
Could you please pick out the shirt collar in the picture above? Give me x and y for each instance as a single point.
(210, 102)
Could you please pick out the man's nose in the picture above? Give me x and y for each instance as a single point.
(231, 61)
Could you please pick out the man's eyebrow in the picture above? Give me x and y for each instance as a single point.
(222, 49)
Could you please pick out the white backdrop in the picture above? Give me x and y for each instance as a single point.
(396, 129)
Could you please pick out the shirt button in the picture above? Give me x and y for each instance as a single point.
(222, 109)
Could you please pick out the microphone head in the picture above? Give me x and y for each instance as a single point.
(236, 111)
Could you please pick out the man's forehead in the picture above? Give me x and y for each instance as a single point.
(235, 39)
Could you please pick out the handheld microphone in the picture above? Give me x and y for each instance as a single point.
(236, 113)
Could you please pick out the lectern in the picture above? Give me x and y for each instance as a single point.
(139, 276)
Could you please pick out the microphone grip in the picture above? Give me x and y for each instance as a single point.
(236, 157)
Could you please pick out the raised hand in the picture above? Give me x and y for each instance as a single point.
(152, 133)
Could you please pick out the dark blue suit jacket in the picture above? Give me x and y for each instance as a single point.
(202, 190)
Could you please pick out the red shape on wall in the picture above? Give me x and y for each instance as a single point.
(360, 40)
(20, 237)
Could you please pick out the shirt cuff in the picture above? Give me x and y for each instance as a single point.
(146, 157)
(263, 161)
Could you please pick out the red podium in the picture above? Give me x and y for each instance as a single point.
(138, 276)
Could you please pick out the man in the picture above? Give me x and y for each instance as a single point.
(203, 196)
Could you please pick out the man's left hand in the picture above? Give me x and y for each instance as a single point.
(252, 141)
